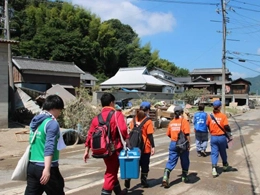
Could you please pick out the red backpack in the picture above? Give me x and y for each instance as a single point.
(101, 139)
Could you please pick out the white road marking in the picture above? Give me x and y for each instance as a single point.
(82, 175)
(102, 180)
(74, 151)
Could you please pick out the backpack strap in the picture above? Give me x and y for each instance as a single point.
(214, 119)
(109, 117)
(107, 123)
(134, 121)
(100, 119)
(144, 121)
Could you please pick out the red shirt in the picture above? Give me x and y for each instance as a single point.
(113, 126)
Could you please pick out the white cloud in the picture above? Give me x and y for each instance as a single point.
(144, 22)
(236, 75)
(258, 51)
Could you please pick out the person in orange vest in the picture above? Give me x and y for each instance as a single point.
(142, 118)
(218, 140)
(179, 123)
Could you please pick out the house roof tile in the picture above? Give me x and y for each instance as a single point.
(45, 65)
(208, 71)
(8, 41)
(132, 76)
(88, 76)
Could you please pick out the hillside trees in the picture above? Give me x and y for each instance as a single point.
(55, 30)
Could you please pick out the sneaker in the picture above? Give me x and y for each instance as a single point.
(214, 172)
(185, 179)
(203, 153)
(199, 153)
(227, 168)
(127, 183)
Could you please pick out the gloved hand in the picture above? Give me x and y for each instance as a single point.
(229, 135)
(128, 144)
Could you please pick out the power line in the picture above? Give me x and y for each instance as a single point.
(243, 66)
(239, 53)
(183, 2)
(246, 3)
(247, 9)
(242, 59)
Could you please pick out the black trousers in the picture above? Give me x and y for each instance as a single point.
(144, 162)
(55, 185)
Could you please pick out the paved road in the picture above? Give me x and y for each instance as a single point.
(81, 178)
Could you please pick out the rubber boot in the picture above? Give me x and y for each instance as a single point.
(214, 171)
(106, 192)
(127, 183)
(227, 167)
(118, 191)
(166, 176)
(184, 176)
(144, 180)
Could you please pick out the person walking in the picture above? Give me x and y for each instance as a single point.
(148, 149)
(201, 120)
(117, 123)
(43, 173)
(175, 126)
(219, 129)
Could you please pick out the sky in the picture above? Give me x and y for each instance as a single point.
(190, 35)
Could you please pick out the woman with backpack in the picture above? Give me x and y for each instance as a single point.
(177, 126)
(147, 146)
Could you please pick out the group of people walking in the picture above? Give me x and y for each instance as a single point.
(43, 173)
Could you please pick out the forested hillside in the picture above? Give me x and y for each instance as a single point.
(255, 87)
(55, 30)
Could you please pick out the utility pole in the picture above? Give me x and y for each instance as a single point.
(10, 65)
(224, 30)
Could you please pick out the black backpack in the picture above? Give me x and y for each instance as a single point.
(135, 135)
(182, 142)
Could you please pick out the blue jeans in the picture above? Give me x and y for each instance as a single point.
(201, 145)
(174, 156)
(218, 146)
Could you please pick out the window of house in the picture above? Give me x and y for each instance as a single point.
(239, 87)
(218, 78)
(87, 81)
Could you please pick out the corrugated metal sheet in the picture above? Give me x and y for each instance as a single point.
(22, 100)
(60, 91)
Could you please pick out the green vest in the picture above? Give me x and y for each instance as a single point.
(38, 145)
